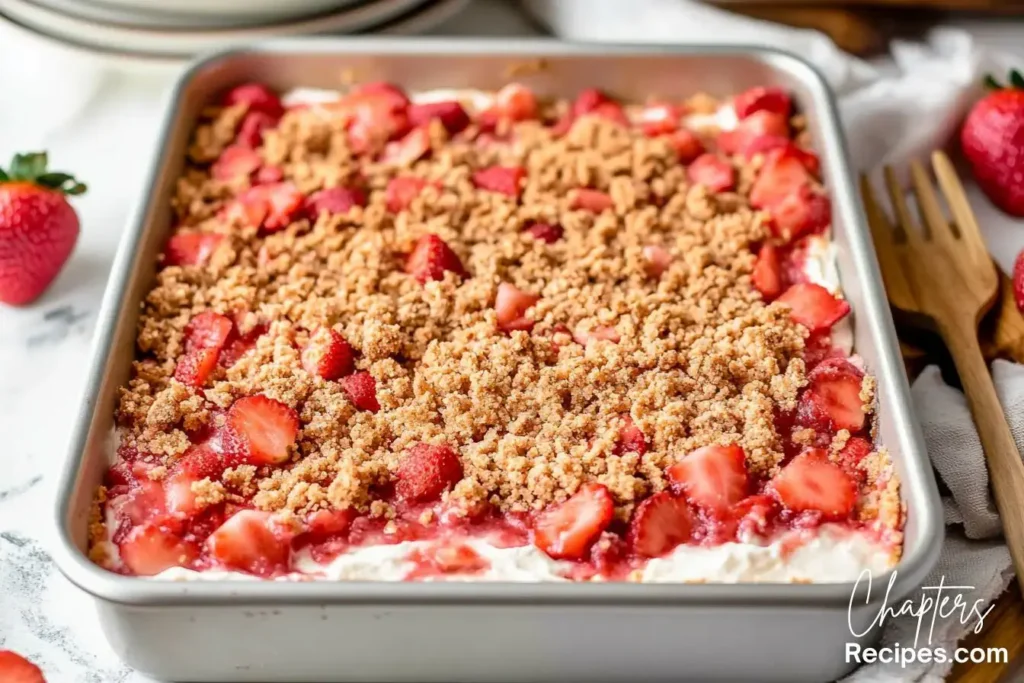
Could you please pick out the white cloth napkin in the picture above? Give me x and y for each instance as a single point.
(892, 111)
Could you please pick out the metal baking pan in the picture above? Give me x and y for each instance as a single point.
(376, 631)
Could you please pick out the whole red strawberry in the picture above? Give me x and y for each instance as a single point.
(993, 142)
(38, 228)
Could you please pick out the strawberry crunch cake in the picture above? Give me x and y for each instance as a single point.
(484, 336)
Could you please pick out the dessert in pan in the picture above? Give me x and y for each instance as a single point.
(463, 335)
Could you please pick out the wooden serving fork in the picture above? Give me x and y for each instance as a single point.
(940, 274)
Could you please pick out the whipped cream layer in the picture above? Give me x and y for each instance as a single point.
(831, 553)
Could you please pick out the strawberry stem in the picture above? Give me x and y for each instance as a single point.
(31, 168)
(1016, 81)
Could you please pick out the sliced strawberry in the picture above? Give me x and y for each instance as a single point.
(588, 100)
(426, 471)
(753, 515)
(712, 477)
(240, 344)
(431, 257)
(503, 179)
(361, 389)
(516, 102)
(756, 125)
(375, 114)
(567, 531)
(658, 119)
(328, 355)
(249, 541)
(763, 144)
(207, 330)
(451, 114)
(712, 172)
(333, 200)
(205, 336)
(511, 305)
(767, 275)
(545, 232)
(409, 149)
(813, 306)
(802, 212)
(272, 206)
(250, 132)
(855, 450)
(149, 549)
(234, 162)
(687, 145)
(774, 100)
(600, 333)
(782, 174)
(257, 97)
(270, 428)
(657, 260)
(268, 175)
(402, 190)
(325, 523)
(593, 102)
(198, 463)
(191, 248)
(659, 524)
(833, 392)
(591, 200)
(811, 482)
(389, 94)
(16, 669)
(283, 202)
(145, 501)
(631, 439)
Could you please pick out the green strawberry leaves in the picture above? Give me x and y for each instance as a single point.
(31, 168)
(1016, 81)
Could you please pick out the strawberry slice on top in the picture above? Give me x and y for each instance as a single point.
(782, 174)
(269, 428)
(328, 355)
(451, 114)
(236, 161)
(774, 100)
(566, 531)
(631, 439)
(811, 483)
(361, 389)
(813, 306)
(659, 524)
(511, 305)
(257, 97)
(833, 397)
(205, 336)
(713, 172)
(426, 471)
(333, 200)
(516, 102)
(712, 477)
(505, 180)
(400, 192)
(431, 257)
(191, 248)
(150, 549)
(767, 274)
(250, 541)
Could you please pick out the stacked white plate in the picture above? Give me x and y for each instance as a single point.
(173, 31)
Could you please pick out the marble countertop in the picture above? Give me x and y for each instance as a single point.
(44, 354)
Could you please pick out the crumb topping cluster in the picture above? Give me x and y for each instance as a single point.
(699, 359)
